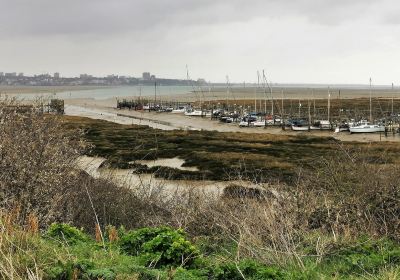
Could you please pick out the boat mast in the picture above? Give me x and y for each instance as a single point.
(309, 114)
(340, 106)
(155, 95)
(260, 99)
(392, 97)
(255, 100)
(265, 93)
(370, 99)
(272, 102)
(227, 92)
(329, 104)
(189, 80)
(255, 92)
(299, 108)
(283, 112)
(312, 90)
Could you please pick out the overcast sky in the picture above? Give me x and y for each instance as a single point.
(297, 41)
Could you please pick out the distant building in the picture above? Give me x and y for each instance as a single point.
(11, 75)
(201, 81)
(85, 76)
(153, 77)
(56, 75)
(21, 74)
(146, 76)
(1, 74)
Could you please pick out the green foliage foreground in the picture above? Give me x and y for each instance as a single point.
(65, 252)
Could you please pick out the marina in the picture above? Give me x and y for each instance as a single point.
(332, 113)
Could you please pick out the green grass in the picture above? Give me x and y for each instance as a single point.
(56, 258)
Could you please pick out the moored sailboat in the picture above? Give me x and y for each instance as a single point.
(367, 127)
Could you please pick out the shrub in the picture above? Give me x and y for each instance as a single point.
(162, 246)
(145, 273)
(65, 232)
(364, 256)
(104, 274)
(37, 156)
(59, 271)
(250, 269)
(183, 274)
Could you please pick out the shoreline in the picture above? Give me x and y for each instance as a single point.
(29, 90)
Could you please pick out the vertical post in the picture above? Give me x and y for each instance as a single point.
(392, 97)
(312, 90)
(370, 99)
(291, 107)
(265, 95)
(340, 106)
(272, 104)
(227, 93)
(329, 106)
(155, 95)
(283, 112)
(309, 114)
(299, 108)
(255, 92)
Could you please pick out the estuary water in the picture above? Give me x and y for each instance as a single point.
(125, 91)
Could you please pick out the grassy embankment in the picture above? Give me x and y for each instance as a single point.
(64, 252)
(218, 155)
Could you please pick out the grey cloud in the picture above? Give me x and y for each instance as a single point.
(104, 17)
(294, 39)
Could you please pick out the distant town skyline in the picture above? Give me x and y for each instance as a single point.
(56, 79)
(304, 41)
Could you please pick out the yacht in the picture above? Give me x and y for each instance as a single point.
(364, 126)
(247, 121)
(179, 110)
(299, 128)
(300, 125)
(260, 123)
(367, 128)
(321, 125)
(194, 113)
(342, 127)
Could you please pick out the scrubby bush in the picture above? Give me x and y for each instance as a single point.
(67, 233)
(36, 159)
(363, 255)
(247, 269)
(162, 246)
(95, 274)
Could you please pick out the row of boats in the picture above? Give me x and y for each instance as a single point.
(253, 120)
(362, 126)
(353, 127)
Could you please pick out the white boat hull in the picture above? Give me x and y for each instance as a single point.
(319, 128)
(259, 123)
(178, 111)
(367, 129)
(195, 114)
(299, 128)
(244, 124)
